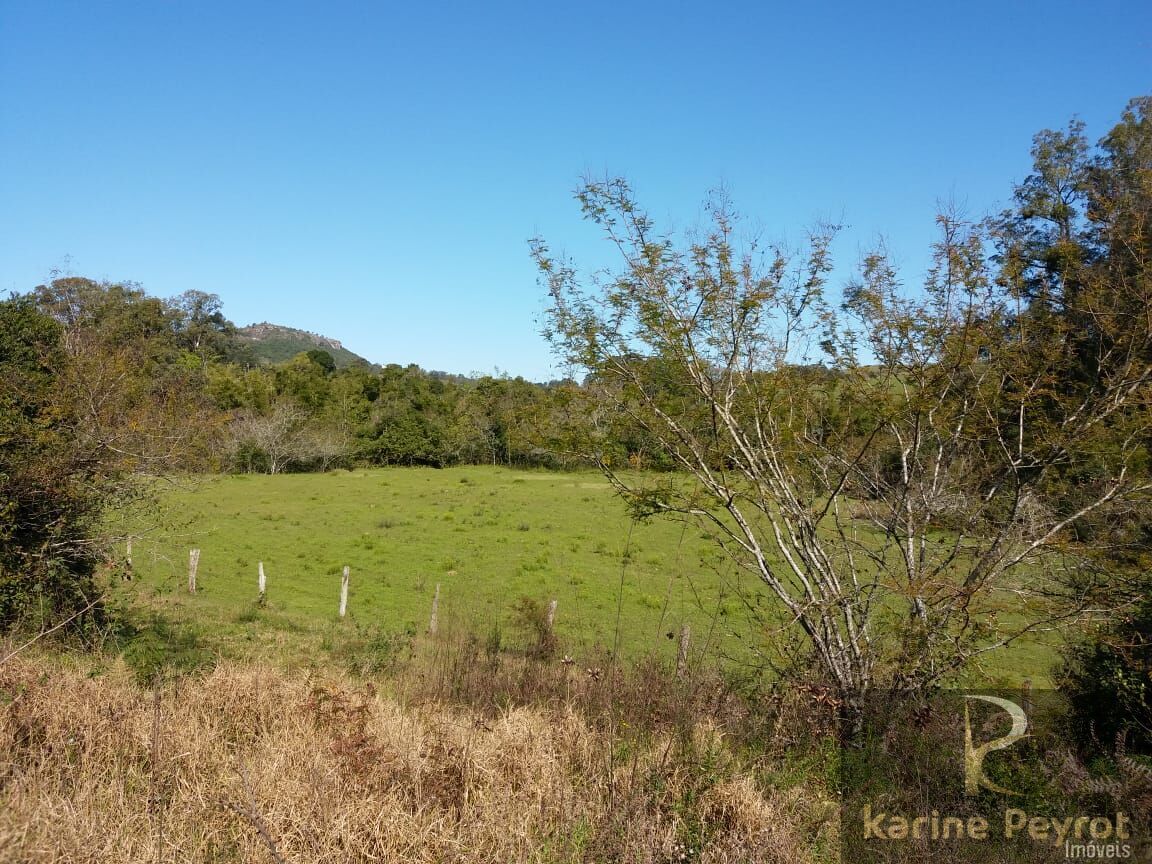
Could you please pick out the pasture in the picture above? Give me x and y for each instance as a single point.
(489, 536)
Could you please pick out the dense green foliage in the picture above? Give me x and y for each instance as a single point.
(53, 483)
(1076, 252)
(179, 361)
(1108, 683)
(1077, 248)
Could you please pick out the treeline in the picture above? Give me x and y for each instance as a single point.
(169, 379)
(307, 415)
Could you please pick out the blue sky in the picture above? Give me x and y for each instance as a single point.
(372, 171)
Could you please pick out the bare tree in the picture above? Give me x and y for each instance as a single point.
(897, 501)
(284, 435)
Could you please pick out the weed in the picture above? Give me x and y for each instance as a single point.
(373, 650)
(163, 650)
(534, 617)
(250, 614)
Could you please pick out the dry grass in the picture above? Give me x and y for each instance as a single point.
(250, 763)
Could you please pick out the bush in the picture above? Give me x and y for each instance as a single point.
(163, 650)
(372, 650)
(1108, 684)
(531, 615)
(53, 486)
(250, 458)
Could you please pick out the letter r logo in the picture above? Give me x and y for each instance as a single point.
(974, 756)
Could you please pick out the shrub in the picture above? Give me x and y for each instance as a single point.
(531, 615)
(162, 650)
(53, 485)
(371, 650)
(1108, 684)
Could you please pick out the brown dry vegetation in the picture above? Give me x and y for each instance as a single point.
(250, 763)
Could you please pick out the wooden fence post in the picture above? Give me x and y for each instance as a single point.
(261, 582)
(682, 653)
(344, 591)
(434, 621)
(193, 566)
(551, 614)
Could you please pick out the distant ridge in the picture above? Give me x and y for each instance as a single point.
(275, 343)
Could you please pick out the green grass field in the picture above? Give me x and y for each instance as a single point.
(488, 536)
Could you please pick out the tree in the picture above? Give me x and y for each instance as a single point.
(894, 503)
(200, 326)
(410, 419)
(1076, 251)
(283, 437)
(138, 403)
(322, 359)
(54, 483)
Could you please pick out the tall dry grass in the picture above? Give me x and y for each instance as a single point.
(250, 763)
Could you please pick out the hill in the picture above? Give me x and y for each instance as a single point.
(274, 343)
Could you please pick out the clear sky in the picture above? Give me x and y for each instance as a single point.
(372, 171)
